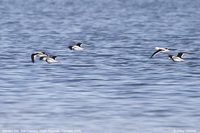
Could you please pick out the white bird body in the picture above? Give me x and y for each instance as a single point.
(49, 59)
(176, 58)
(76, 47)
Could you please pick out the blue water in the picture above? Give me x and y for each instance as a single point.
(112, 86)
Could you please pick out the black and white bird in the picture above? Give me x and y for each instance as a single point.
(37, 54)
(49, 59)
(178, 57)
(161, 50)
(76, 47)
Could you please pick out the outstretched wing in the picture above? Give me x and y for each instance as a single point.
(33, 56)
(78, 44)
(180, 54)
(155, 53)
(171, 57)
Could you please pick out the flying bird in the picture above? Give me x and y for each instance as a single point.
(179, 57)
(175, 58)
(37, 54)
(161, 50)
(76, 47)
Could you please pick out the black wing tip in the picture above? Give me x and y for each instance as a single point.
(32, 57)
(180, 54)
(155, 53)
(171, 57)
(70, 47)
(78, 44)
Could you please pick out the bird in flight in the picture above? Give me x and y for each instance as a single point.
(161, 50)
